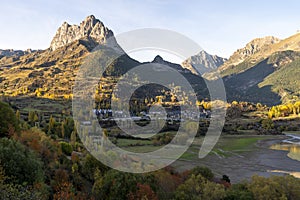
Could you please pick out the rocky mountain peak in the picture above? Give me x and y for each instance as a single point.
(251, 48)
(158, 59)
(89, 28)
(257, 45)
(203, 59)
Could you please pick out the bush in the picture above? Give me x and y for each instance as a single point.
(275, 187)
(90, 165)
(66, 148)
(198, 187)
(8, 120)
(238, 191)
(120, 185)
(267, 124)
(203, 171)
(19, 163)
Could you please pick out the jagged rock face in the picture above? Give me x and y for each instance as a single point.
(251, 48)
(90, 27)
(203, 59)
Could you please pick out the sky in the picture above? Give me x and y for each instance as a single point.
(218, 26)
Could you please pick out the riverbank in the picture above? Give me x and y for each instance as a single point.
(239, 166)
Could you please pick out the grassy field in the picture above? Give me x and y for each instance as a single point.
(173, 133)
(130, 142)
(142, 149)
(226, 146)
(243, 143)
(42, 106)
(291, 132)
(140, 146)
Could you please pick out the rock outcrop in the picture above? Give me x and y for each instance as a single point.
(203, 61)
(251, 48)
(89, 28)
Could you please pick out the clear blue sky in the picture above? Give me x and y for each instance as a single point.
(220, 27)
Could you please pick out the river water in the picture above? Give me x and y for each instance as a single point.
(291, 145)
(277, 155)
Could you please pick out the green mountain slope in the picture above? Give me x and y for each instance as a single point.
(269, 81)
(285, 81)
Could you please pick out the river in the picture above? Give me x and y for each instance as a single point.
(277, 155)
(290, 145)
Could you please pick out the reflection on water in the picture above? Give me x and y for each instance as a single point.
(295, 174)
(292, 145)
(293, 149)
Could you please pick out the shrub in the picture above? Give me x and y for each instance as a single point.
(8, 119)
(66, 148)
(19, 163)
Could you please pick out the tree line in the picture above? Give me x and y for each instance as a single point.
(284, 110)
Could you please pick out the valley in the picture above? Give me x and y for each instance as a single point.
(41, 120)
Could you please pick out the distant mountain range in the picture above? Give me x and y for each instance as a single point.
(10, 55)
(266, 70)
(50, 73)
(17, 53)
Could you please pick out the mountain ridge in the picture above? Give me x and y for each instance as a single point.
(254, 46)
(203, 60)
(90, 28)
(50, 73)
(272, 80)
